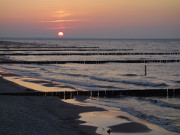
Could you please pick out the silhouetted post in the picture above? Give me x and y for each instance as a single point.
(145, 70)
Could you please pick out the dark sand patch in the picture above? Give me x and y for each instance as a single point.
(36, 81)
(81, 98)
(124, 117)
(130, 127)
(57, 85)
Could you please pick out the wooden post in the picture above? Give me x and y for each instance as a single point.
(145, 70)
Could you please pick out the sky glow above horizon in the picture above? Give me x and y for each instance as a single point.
(90, 19)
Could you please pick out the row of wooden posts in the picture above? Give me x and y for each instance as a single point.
(85, 54)
(11, 47)
(89, 62)
(105, 93)
(66, 49)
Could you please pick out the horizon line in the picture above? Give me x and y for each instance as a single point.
(36, 38)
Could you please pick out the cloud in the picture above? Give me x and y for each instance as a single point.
(58, 21)
(61, 13)
(59, 28)
(61, 16)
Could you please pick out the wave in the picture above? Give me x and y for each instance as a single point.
(132, 82)
(159, 103)
(101, 86)
(75, 75)
(165, 123)
(137, 83)
(83, 84)
(31, 66)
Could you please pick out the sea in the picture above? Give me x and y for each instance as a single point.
(162, 111)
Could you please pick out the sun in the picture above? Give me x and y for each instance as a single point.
(60, 34)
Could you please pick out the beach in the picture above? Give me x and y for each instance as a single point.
(50, 115)
(39, 115)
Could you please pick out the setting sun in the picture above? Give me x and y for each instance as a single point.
(60, 34)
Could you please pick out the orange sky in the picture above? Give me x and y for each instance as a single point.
(90, 19)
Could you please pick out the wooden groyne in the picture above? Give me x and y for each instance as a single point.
(43, 47)
(61, 95)
(90, 62)
(11, 44)
(136, 93)
(74, 49)
(108, 93)
(83, 54)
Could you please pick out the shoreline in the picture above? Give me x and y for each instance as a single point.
(50, 115)
(118, 121)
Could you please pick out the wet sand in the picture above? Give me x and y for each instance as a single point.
(37, 84)
(116, 120)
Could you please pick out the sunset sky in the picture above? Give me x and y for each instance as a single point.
(90, 18)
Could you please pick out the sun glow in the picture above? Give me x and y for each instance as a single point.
(60, 34)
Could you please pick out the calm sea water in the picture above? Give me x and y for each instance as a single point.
(164, 112)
